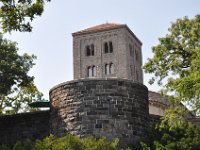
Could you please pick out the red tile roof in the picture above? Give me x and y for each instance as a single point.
(105, 27)
(102, 27)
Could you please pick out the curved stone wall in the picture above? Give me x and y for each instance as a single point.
(99, 107)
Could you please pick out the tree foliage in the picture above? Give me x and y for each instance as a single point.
(71, 142)
(176, 60)
(17, 15)
(16, 86)
(67, 142)
(183, 136)
(14, 68)
(176, 63)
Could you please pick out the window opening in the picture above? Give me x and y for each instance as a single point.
(93, 71)
(111, 68)
(87, 50)
(106, 47)
(110, 47)
(106, 69)
(89, 69)
(92, 50)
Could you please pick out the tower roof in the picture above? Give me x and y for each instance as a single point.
(104, 27)
(101, 27)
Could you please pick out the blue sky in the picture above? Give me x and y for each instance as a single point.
(51, 39)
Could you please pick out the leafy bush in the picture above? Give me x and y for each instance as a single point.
(68, 142)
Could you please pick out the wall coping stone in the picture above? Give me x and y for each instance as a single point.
(96, 79)
(24, 114)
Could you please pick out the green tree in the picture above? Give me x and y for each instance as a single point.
(176, 66)
(67, 142)
(16, 86)
(184, 136)
(176, 60)
(17, 15)
(26, 145)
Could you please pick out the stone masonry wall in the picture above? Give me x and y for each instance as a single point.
(126, 66)
(24, 126)
(100, 107)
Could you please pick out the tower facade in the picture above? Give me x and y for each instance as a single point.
(107, 50)
(107, 97)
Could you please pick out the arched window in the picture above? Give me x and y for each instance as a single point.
(92, 50)
(94, 71)
(111, 69)
(106, 47)
(106, 69)
(87, 50)
(89, 71)
(110, 47)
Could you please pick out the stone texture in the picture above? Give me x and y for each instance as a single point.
(127, 63)
(111, 108)
(23, 126)
(114, 105)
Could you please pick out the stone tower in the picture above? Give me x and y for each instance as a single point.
(107, 50)
(107, 97)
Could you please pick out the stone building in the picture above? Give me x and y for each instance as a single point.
(106, 98)
(157, 103)
(107, 50)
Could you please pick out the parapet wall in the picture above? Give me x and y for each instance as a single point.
(100, 107)
(23, 126)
